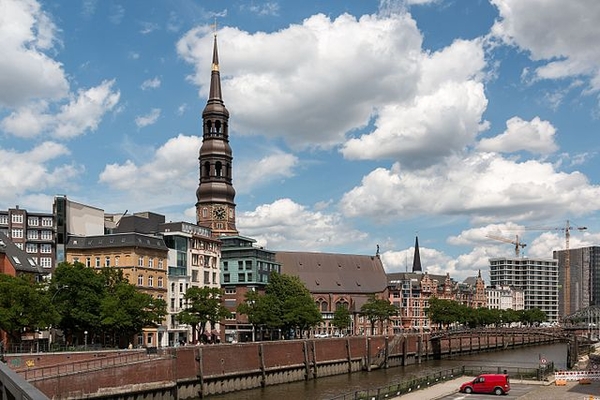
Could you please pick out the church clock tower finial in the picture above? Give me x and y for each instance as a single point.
(215, 207)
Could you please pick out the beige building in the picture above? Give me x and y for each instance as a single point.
(142, 258)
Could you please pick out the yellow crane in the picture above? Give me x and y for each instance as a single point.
(567, 267)
(516, 242)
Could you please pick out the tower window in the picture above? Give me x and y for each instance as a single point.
(206, 169)
(218, 169)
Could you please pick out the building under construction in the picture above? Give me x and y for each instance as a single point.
(584, 273)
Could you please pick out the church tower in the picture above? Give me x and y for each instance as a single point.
(215, 207)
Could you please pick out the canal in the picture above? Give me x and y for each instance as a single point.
(329, 387)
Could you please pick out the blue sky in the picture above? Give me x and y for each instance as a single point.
(353, 123)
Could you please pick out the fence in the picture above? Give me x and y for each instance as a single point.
(425, 381)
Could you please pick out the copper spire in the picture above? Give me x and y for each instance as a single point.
(215, 76)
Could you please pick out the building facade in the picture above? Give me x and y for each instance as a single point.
(585, 277)
(339, 280)
(143, 260)
(193, 261)
(538, 278)
(244, 267)
(505, 298)
(31, 232)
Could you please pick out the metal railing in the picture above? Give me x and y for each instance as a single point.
(33, 374)
(421, 382)
(14, 386)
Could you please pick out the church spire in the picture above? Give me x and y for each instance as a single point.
(417, 257)
(215, 207)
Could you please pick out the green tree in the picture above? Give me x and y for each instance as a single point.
(377, 310)
(77, 293)
(342, 318)
(294, 303)
(287, 305)
(24, 307)
(444, 312)
(204, 305)
(125, 310)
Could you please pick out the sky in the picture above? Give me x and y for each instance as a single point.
(354, 124)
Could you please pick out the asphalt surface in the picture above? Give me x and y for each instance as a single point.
(523, 390)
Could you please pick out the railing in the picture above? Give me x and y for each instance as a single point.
(13, 386)
(33, 374)
(425, 381)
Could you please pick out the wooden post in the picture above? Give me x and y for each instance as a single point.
(306, 363)
(314, 356)
(348, 355)
(263, 372)
(369, 354)
(386, 353)
(200, 372)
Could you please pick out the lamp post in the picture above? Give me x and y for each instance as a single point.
(85, 333)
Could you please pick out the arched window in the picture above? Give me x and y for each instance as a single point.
(218, 169)
(218, 126)
(206, 173)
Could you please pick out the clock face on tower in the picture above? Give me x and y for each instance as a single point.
(219, 213)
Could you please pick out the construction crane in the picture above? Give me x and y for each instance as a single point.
(516, 242)
(567, 268)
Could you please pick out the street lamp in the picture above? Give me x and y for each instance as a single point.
(85, 339)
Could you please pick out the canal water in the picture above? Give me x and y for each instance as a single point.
(331, 386)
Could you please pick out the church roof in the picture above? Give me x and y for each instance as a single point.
(335, 273)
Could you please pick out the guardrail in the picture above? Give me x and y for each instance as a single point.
(14, 386)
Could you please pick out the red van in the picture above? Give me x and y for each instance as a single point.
(487, 383)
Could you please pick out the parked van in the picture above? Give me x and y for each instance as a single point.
(487, 383)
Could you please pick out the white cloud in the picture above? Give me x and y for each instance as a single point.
(250, 174)
(148, 119)
(83, 113)
(26, 72)
(484, 186)
(563, 35)
(269, 8)
(153, 83)
(317, 95)
(535, 136)
(287, 225)
(171, 173)
(31, 171)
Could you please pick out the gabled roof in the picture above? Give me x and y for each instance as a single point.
(335, 273)
(19, 259)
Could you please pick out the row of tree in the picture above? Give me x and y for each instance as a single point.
(110, 310)
(82, 302)
(448, 312)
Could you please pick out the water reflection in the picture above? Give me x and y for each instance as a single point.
(328, 387)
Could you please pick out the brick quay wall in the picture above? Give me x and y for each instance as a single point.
(198, 371)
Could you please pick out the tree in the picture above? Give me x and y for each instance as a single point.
(24, 307)
(101, 302)
(287, 305)
(376, 309)
(125, 310)
(204, 305)
(77, 292)
(341, 319)
(443, 312)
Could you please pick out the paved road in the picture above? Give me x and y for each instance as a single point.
(519, 390)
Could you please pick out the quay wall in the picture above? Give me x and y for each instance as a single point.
(199, 371)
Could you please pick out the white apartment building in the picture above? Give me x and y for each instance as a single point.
(505, 298)
(194, 261)
(538, 278)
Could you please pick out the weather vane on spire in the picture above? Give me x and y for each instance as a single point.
(215, 27)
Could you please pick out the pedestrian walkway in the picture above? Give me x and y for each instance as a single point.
(436, 391)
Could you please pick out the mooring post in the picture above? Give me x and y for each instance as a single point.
(348, 355)
(306, 363)
(263, 372)
(369, 354)
(200, 371)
